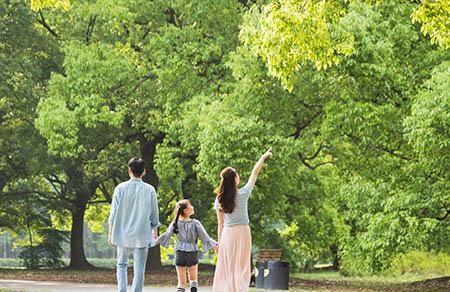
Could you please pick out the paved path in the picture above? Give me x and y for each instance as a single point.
(19, 285)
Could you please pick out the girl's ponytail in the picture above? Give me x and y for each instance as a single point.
(178, 211)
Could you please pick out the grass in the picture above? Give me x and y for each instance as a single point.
(101, 263)
(10, 263)
(334, 280)
(331, 275)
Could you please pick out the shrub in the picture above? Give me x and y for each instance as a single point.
(46, 254)
(420, 262)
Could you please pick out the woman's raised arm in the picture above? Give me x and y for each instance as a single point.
(258, 166)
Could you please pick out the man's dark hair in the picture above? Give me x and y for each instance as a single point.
(137, 166)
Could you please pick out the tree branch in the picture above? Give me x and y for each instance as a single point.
(105, 192)
(393, 152)
(442, 218)
(90, 28)
(143, 79)
(304, 159)
(97, 202)
(45, 24)
(300, 128)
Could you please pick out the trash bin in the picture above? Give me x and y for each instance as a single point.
(259, 275)
(277, 277)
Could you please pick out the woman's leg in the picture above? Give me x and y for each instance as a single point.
(222, 281)
(181, 273)
(233, 261)
(244, 248)
(193, 271)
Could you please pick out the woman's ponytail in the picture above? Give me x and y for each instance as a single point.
(227, 190)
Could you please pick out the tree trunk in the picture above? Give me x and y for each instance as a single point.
(334, 252)
(77, 256)
(154, 259)
(148, 149)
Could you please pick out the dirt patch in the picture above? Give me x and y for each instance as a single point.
(167, 277)
(437, 284)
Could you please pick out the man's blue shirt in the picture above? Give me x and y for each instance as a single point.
(134, 213)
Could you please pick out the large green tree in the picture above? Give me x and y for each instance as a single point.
(392, 203)
(129, 68)
(27, 58)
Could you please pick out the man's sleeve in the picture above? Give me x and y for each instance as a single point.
(154, 213)
(115, 201)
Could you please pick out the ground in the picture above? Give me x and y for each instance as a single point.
(166, 278)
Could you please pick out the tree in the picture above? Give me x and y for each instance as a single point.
(26, 57)
(126, 77)
(384, 194)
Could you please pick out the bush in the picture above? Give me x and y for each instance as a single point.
(420, 262)
(46, 254)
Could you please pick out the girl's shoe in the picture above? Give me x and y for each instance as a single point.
(194, 285)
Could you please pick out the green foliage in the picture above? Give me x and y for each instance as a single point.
(53, 4)
(421, 263)
(287, 34)
(96, 216)
(10, 263)
(429, 123)
(77, 102)
(434, 18)
(290, 34)
(361, 156)
(47, 254)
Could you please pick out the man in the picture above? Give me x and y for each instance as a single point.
(134, 214)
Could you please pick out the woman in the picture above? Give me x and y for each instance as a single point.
(233, 232)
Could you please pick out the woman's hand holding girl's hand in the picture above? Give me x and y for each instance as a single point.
(216, 248)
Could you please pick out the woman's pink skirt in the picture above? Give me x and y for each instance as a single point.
(233, 261)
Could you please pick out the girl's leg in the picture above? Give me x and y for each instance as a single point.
(193, 271)
(181, 273)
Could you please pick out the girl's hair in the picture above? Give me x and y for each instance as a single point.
(226, 191)
(179, 211)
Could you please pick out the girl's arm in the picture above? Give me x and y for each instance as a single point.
(208, 242)
(257, 168)
(164, 239)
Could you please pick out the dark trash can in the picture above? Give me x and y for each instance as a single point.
(277, 277)
(259, 276)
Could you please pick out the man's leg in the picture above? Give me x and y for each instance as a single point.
(140, 258)
(122, 263)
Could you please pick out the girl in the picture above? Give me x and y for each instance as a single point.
(233, 261)
(187, 231)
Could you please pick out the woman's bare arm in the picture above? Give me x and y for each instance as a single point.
(258, 166)
(220, 222)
